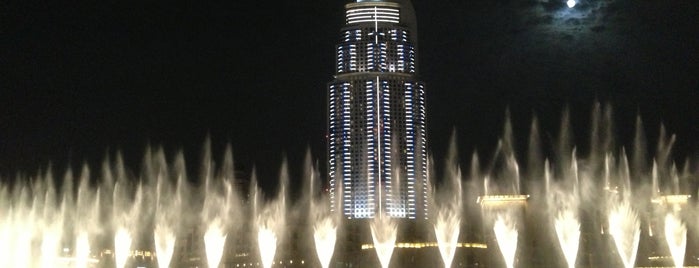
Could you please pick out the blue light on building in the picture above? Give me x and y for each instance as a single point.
(377, 145)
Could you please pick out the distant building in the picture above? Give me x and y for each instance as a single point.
(377, 143)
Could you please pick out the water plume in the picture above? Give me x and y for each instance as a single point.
(51, 225)
(214, 241)
(167, 203)
(122, 246)
(625, 229)
(676, 237)
(568, 232)
(220, 204)
(502, 209)
(324, 236)
(164, 238)
(50, 243)
(164, 228)
(624, 222)
(22, 253)
(126, 217)
(323, 219)
(563, 205)
(6, 239)
(267, 243)
(506, 233)
(214, 211)
(15, 238)
(383, 232)
(68, 224)
(446, 228)
(447, 223)
(270, 219)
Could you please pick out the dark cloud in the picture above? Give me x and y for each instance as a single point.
(539, 56)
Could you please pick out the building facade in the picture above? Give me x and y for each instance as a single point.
(377, 143)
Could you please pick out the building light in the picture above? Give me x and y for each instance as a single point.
(498, 200)
(419, 245)
(671, 199)
(364, 148)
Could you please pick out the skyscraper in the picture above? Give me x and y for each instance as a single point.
(377, 144)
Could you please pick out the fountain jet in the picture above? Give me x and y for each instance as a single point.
(324, 221)
(270, 219)
(676, 237)
(324, 236)
(448, 221)
(214, 241)
(122, 245)
(168, 207)
(625, 228)
(164, 244)
(447, 230)
(564, 205)
(506, 233)
(568, 232)
(383, 232)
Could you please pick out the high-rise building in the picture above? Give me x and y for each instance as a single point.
(377, 144)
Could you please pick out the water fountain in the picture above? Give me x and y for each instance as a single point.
(169, 204)
(164, 232)
(567, 228)
(321, 216)
(447, 228)
(270, 219)
(624, 227)
(324, 236)
(214, 241)
(71, 221)
(624, 222)
(563, 206)
(384, 231)
(219, 201)
(122, 245)
(505, 229)
(447, 225)
(50, 241)
(126, 215)
(676, 236)
(503, 208)
(164, 238)
(675, 230)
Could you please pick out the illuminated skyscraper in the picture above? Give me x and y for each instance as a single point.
(377, 146)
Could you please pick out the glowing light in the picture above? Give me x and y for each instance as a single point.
(122, 245)
(676, 236)
(447, 231)
(383, 233)
(568, 232)
(214, 241)
(267, 241)
(373, 14)
(625, 228)
(495, 200)
(23, 254)
(671, 199)
(270, 226)
(324, 235)
(429, 245)
(571, 3)
(164, 244)
(506, 234)
(50, 244)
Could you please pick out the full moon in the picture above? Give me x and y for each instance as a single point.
(571, 3)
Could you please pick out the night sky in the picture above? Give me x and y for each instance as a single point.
(84, 79)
